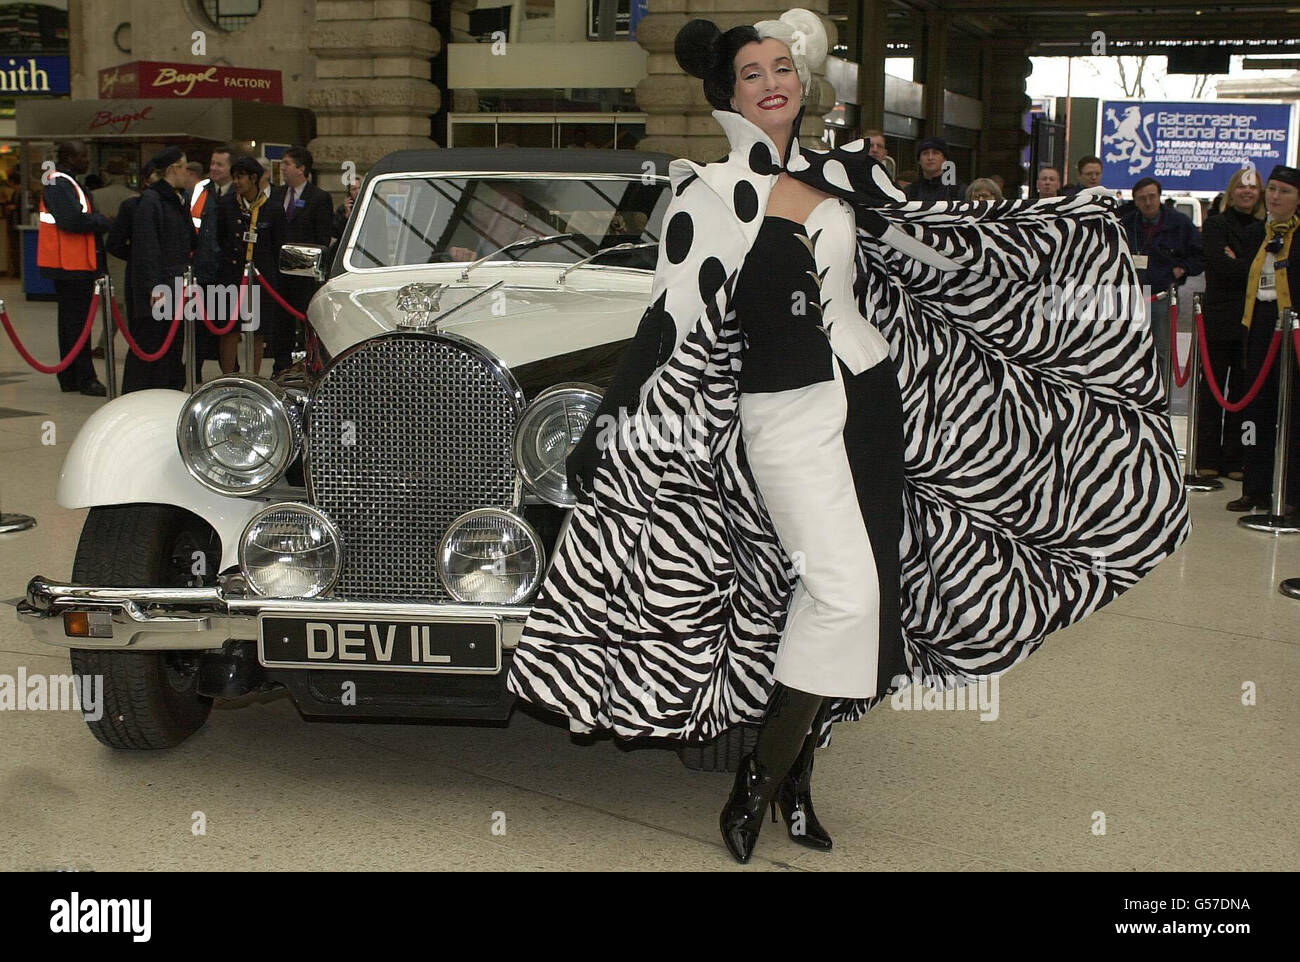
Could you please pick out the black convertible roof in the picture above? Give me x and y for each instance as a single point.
(560, 160)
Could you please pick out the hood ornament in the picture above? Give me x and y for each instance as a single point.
(420, 303)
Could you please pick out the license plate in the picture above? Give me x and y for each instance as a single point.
(380, 644)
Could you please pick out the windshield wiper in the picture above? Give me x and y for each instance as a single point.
(617, 247)
(526, 242)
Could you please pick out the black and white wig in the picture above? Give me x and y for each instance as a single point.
(706, 52)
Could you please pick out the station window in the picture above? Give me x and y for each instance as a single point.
(231, 15)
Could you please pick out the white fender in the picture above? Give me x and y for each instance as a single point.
(126, 452)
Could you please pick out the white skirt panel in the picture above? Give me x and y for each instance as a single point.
(795, 446)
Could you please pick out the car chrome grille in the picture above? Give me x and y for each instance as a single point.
(406, 433)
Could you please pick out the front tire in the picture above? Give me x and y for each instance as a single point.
(150, 698)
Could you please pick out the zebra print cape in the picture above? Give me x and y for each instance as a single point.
(1041, 479)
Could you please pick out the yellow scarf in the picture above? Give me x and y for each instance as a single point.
(253, 208)
(1272, 230)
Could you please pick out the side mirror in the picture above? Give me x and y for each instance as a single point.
(303, 260)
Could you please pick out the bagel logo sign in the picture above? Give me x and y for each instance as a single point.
(182, 84)
(120, 122)
(147, 79)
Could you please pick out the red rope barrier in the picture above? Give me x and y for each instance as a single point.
(1255, 388)
(131, 342)
(293, 311)
(239, 309)
(64, 364)
(1186, 376)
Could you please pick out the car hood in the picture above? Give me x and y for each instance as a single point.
(528, 318)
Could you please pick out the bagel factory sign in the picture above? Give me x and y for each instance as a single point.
(147, 79)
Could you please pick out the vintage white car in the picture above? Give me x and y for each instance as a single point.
(369, 535)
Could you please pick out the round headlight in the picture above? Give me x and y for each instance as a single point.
(237, 435)
(290, 551)
(547, 432)
(489, 556)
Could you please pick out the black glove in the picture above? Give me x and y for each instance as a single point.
(652, 346)
(871, 221)
(580, 466)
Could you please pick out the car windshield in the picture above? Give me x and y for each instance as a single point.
(429, 220)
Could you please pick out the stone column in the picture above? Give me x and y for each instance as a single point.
(464, 100)
(869, 18)
(678, 118)
(373, 94)
(1003, 139)
(934, 70)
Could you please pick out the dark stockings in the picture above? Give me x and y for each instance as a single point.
(790, 714)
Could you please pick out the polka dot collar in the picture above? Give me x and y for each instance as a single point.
(752, 144)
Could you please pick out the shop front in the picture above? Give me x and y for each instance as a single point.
(130, 131)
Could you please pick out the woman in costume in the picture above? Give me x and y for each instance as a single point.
(755, 571)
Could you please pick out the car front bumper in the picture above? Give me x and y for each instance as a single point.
(204, 619)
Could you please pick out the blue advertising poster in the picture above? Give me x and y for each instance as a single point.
(21, 75)
(637, 11)
(1191, 146)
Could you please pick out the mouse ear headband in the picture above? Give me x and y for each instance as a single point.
(706, 52)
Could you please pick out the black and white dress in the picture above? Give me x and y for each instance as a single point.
(822, 425)
(1039, 474)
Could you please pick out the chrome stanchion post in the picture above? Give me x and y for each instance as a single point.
(250, 331)
(1291, 588)
(191, 334)
(1276, 520)
(1171, 298)
(104, 284)
(1191, 480)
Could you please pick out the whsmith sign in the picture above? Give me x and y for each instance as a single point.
(34, 75)
(1192, 146)
(169, 81)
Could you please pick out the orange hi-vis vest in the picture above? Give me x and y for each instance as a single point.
(198, 201)
(62, 249)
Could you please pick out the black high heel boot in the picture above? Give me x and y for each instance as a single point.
(742, 816)
(780, 736)
(794, 793)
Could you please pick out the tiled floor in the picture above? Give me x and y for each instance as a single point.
(1135, 713)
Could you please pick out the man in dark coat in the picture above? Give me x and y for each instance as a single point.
(931, 157)
(1166, 250)
(1089, 176)
(118, 241)
(248, 220)
(1231, 240)
(68, 213)
(309, 219)
(341, 214)
(162, 241)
